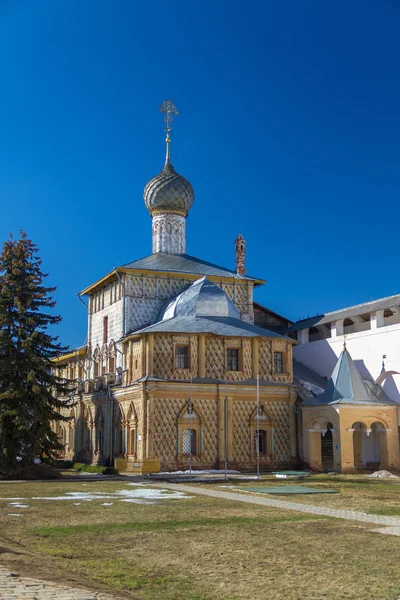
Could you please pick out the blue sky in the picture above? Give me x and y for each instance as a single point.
(289, 131)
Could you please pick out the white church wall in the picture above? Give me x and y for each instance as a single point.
(113, 312)
(366, 348)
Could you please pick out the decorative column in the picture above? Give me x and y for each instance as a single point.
(150, 355)
(347, 450)
(201, 370)
(392, 444)
(254, 358)
(292, 427)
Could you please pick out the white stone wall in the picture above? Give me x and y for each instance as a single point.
(366, 348)
(114, 314)
(169, 233)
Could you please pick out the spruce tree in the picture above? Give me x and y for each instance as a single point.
(28, 386)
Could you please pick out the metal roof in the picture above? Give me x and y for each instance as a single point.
(347, 387)
(346, 313)
(168, 191)
(225, 326)
(201, 298)
(309, 383)
(183, 263)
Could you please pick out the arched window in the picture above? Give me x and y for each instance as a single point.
(131, 431)
(260, 442)
(62, 438)
(189, 441)
(119, 434)
(96, 363)
(71, 432)
(189, 431)
(87, 431)
(261, 433)
(99, 427)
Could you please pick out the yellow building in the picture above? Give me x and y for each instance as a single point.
(352, 426)
(174, 371)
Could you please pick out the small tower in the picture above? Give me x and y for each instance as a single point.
(168, 197)
(240, 255)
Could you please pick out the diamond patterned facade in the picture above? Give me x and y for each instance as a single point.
(155, 414)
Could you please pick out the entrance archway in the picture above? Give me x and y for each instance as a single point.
(369, 446)
(327, 448)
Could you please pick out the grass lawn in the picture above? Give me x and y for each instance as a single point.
(357, 492)
(195, 548)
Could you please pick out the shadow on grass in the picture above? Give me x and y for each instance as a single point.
(165, 525)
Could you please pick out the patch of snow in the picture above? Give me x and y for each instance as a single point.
(123, 495)
(136, 483)
(19, 505)
(107, 504)
(77, 503)
(383, 474)
(231, 487)
(139, 501)
(14, 515)
(311, 387)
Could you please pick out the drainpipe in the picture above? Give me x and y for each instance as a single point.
(123, 300)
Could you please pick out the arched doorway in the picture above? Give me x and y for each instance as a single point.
(327, 447)
(369, 445)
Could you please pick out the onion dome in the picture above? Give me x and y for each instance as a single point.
(168, 192)
(201, 299)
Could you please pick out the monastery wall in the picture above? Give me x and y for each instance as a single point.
(367, 349)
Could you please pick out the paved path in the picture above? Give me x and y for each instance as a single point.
(14, 587)
(393, 523)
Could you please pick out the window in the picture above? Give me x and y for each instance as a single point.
(105, 330)
(189, 441)
(232, 359)
(260, 442)
(182, 357)
(111, 364)
(278, 362)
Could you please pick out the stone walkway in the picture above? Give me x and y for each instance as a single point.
(392, 523)
(14, 587)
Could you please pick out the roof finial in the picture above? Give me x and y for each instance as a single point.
(169, 111)
(344, 343)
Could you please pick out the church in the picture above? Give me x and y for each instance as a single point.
(182, 369)
(175, 372)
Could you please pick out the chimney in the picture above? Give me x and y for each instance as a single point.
(240, 255)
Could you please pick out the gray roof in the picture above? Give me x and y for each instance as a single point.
(347, 387)
(183, 263)
(309, 383)
(225, 326)
(168, 191)
(202, 298)
(204, 308)
(346, 313)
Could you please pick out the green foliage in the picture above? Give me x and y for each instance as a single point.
(28, 387)
(59, 463)
(84, 468)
